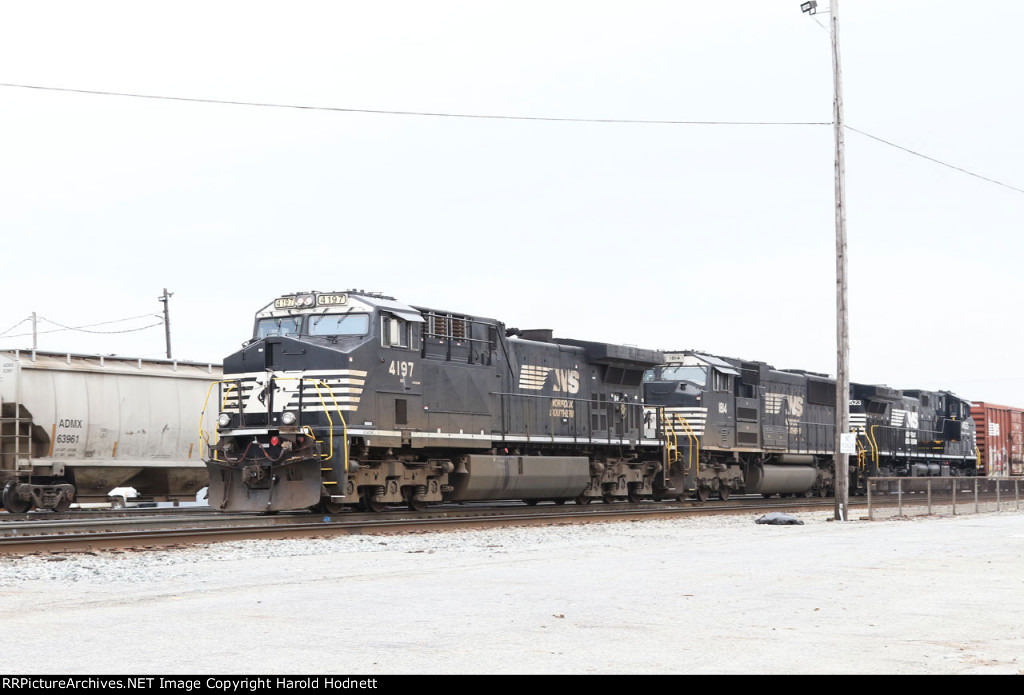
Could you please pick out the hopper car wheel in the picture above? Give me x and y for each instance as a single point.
(633, 493)
(12, 503)
(723, 493)
(582, 499)
(63, 505)
(703, 493)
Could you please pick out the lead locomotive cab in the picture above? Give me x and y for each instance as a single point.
(291, 393)
(320, 407)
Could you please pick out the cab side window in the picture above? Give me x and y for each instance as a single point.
(394, 332)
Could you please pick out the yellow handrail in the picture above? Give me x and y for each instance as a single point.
(224, 401)
(317, 383)
(694, 441)
(204, 437)
(874, 445)
(673, 444)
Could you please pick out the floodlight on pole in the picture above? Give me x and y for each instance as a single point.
(810, 7)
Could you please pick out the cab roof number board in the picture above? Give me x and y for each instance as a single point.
(321, 300)
(331, 299)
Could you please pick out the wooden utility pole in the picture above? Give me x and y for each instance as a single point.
(165, 298)
(842, 471)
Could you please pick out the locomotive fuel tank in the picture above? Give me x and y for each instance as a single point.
(520, 477)
(76, 426)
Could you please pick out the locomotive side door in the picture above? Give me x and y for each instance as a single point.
(720, 400)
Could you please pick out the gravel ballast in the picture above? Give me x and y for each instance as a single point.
(707, 595)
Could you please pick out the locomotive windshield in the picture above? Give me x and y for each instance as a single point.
(339, 324)
(281, 325)
(692, 374)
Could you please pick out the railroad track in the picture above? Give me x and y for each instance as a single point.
(54, 533)
(151, 529)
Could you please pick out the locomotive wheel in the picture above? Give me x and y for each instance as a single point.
(633, 493)
(11, 502)
(583, 499)
(703, 493)
(608, 497)
(372, 505)
(417, 505)
(328, 507)
(723, 493)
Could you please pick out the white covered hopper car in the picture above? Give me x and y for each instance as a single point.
(73, 427)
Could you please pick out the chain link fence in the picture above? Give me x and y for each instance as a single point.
(905, 497)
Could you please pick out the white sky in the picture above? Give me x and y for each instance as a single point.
(719, 238)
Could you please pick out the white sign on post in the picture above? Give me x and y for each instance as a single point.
(848, 443)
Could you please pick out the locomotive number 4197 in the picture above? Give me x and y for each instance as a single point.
(399, 368)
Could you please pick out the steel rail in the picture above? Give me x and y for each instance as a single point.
(58, 537)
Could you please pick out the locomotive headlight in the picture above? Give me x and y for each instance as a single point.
(224, 420)
(288, 418)
(305, 300)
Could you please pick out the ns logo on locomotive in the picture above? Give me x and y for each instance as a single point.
(353, 399)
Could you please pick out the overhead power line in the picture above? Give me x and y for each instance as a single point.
(438, 114)
(27, 318)
(937, 161)
(83, 329)
(556, 119)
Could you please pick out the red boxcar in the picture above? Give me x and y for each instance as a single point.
(1000, 439)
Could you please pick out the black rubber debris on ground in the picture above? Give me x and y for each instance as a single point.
(778, 518)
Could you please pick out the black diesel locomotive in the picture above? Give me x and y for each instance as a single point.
(733, 425)
(354, 399)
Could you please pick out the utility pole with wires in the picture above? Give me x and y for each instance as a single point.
(842, 439)
(165, 298)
